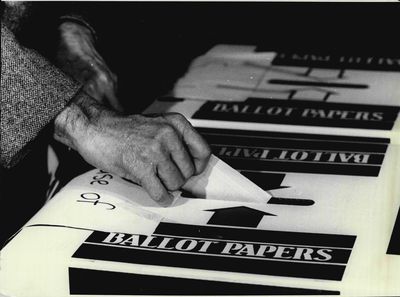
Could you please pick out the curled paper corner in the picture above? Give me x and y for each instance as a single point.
(219, 181)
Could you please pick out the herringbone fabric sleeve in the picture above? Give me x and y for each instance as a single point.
(33, 92)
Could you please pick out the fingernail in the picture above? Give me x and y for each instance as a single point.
(166, 201)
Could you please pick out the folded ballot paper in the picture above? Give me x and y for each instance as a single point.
(220, 181)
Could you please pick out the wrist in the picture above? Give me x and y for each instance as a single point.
(74, 124)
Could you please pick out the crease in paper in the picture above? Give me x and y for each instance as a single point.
(219, 181)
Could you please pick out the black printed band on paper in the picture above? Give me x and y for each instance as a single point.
(257, 151)
(206, 262)
(394, 244)
(316, 60)
(300, 112)
(301, 167)
(266, 181)
(288, 135)
(256, 235)
(244, 250)
(316, 84)
(99, 282)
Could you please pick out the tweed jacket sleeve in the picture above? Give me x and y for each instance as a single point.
(33, 92)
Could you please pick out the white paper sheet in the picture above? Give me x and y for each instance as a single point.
(221, 182)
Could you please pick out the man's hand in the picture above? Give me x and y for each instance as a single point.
(159, 152)
(77, 56)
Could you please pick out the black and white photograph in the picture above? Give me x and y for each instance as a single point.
(199, 148)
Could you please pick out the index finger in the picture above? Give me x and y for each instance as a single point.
(199, 149)
(156, 190)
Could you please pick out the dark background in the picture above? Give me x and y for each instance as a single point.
(149, 46)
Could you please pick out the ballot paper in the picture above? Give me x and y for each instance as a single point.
(220, 181)
(287, 116)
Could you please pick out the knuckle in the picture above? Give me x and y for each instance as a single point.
(156, 151)
(148, 170)
(179, 117)
(151, 154)
(155, 147)
(166, 131)
(103, 78)
(176, 117)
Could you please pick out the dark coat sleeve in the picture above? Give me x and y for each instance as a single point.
(33, 92)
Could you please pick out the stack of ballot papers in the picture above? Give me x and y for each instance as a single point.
(228, 72)
(236, 86)
(301, 195)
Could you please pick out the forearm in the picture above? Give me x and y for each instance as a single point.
(33, 92)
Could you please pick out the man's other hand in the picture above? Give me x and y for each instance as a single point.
(159, 152)
(77, 56)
